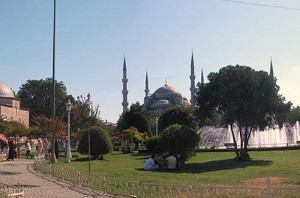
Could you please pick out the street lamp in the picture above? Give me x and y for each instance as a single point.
(69, 155)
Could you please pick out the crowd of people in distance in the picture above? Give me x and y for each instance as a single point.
(42, 148)
(167, 160)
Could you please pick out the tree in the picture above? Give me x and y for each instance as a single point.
(84, 115)
(100, 143)
(177, 115)
(180, 139)
(294, 115)
(47, 127)
(13, 128)
(135, 117)
(246, 98)
(133, 134)
(37, 95)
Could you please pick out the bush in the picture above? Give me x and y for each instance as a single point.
(153, 144)
(180, 139)
(99, 141)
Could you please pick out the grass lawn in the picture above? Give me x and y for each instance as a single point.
(283, 167)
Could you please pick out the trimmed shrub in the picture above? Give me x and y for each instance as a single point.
(153, 144)
(180, 139)
(99, 141)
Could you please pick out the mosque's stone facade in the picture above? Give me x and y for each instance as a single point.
(10, 107)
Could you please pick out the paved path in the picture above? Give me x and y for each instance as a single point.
(38, 185)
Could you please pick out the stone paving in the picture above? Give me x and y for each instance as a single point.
(38, 185)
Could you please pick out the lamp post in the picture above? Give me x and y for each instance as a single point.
(69, 155)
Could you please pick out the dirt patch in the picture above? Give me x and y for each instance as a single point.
(263, 182)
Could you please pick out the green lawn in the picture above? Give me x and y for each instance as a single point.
(282, 167)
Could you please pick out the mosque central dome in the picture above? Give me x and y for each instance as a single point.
(166, 89)
(5, 91)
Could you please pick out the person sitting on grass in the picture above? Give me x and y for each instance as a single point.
(159, 160)
(150, 164)
(171, 161)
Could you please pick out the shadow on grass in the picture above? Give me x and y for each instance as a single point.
(211, 166)
(85, 159)
(141, 156)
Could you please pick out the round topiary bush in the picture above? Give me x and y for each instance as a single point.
(100, 143)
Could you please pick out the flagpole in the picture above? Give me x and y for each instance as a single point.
(53, 157)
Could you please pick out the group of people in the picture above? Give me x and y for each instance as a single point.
(42, 148)
(163, 160)
(11, 149)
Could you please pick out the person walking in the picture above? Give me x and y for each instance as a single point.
(28, 149)
(40, 147)
(12, 150)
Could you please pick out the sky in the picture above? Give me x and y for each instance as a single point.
(94, 36)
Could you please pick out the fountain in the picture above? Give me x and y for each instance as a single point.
(288, 135)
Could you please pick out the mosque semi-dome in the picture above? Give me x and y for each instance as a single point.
(6, 91)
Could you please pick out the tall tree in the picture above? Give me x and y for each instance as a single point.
(247, 99)
(84, 114)
(177, 115)
(37, 95)
(294, 115)
(135, 117)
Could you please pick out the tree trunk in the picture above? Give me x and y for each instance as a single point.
(136, 146)
(244, 155)
(234, 142)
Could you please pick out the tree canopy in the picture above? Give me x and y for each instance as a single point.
(37, 95)
(84, 115)
(13, 128)
(177, 115)
(135, 117)
(294, 115)
(48, 126)
(245, 98)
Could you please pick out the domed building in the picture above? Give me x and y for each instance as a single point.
(10, 106)
(164, 97)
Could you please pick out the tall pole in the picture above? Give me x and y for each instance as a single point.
(53, 157)
(89, 142)
(69, 154)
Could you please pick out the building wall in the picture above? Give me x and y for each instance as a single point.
(7, 101)
(13, 111)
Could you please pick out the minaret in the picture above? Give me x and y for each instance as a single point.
(146, 85)
(202, 78)
(271, 69)
(192, 77)
(125, 91)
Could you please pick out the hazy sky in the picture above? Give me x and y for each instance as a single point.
(92, 37)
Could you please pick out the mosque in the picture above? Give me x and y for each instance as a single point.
(10, 106)
(164, 97)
